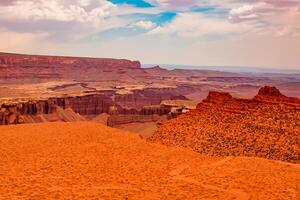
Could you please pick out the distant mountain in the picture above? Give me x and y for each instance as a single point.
(236, 69)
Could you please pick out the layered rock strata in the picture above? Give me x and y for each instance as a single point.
(88, 105)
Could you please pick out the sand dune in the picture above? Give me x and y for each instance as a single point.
(89, 161)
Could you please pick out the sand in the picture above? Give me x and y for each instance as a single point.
(145, 130)
(90, 161)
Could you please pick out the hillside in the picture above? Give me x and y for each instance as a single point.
(90, 161)
(265, 126)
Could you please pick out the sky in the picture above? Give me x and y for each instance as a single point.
(255, 33)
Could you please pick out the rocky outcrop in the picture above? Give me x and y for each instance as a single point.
(269, 94)
(218, 97)
(264, 126)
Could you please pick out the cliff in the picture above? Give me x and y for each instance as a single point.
(34, 68)
(137, 103)
(264, 126)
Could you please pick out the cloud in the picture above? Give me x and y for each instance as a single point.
(245, 12)
(147, 25)
(288, 31)
(276, 17)
(56, 10)
(199, 25)
(175, 3)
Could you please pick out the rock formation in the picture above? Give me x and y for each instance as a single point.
(264, 126)
(29, 68)
(140, 102)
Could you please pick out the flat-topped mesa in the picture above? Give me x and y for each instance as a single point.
(7, 59)
(17, 68)
(218, 97)
(273, 95)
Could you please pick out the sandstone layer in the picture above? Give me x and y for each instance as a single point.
(265, 126)
(33, 68)
(140, 102)
(91, 161)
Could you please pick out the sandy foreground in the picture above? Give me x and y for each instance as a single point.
(90, 161)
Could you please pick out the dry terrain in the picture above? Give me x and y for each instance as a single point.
(264, 126)
(90, 161)
(145, 130)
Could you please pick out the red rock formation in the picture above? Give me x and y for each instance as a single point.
(149, 96)
(265, 126)
(133, 104)
(29, 68)
(270, 92)
(273, 95)
(218, 97)
(7, 59)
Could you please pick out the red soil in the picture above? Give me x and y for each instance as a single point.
(266, 126)
(91, 161)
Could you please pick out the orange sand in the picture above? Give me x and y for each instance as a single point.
(90, 161)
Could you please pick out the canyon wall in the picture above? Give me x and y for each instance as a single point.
(28, 68)
(137, 103)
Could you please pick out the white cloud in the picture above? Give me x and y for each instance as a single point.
(147, 25)
(84, 2)
(274, 18)
(288, 31)
(199, 25)
(56, 10)
(249, 11)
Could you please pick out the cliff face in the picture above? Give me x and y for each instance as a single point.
(110, 103)
(85, 105)
(11, 60)
(27, 68)
(264, 126)
(149, 96)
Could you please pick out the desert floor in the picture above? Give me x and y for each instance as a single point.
(145, 130)
(91, 161)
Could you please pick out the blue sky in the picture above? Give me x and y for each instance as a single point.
(136, 3)
(261, 33)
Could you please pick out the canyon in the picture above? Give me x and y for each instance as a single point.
(89, 128)
(115, 92)
(40, 88)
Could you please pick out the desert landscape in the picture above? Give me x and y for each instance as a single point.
(85, 160)
(114, 92)
(81, 128)
(149, 100)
